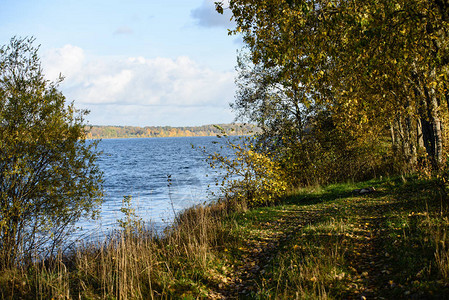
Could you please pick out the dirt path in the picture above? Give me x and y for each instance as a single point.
(367, 259)
(259, 251)
(341, 245)
(370, 261)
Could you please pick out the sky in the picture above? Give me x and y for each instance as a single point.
(133, 62)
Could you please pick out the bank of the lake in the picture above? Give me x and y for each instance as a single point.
(326, 243)
(114, 132)
(161, 175)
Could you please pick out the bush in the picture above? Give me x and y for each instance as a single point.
(251, 178)
(48, 175)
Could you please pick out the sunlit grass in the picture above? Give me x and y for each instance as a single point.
(312, 263)
(392, 243)
(320, 243)
(130, 264)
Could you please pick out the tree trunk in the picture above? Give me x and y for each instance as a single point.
(429, 122)
(411, 141)
(434, 117)
(419, 136)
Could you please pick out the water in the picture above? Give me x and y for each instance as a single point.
(140, 168)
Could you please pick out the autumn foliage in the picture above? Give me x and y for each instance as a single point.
(248, 177)
(48, 175)
(345, 89)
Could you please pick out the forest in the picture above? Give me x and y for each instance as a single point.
(345, 89)
(107, 132)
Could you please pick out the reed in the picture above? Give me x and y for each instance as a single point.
(320, 244)
(132, 263)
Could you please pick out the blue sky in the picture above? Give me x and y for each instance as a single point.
(133, 62)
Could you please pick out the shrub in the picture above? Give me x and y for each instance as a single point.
(250, 177)
(48, 175)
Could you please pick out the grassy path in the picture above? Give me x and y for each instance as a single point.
(323, 243)
(330, 243)
(262, 244)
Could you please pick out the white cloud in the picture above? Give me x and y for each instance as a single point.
(207, 16)
(136, 115)
(105, 88)
(66, 60)
(142, 88)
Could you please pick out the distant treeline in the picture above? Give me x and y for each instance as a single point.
(108, 132)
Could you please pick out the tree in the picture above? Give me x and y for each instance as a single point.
(266, 98)
(48, 173)
(372, 63)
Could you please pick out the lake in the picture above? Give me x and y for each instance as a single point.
(140, 167)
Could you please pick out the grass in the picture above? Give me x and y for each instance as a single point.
(319, 243)
(131, 264)
(327, 243)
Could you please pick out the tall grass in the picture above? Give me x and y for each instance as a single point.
(129, 264)
(436, 230)
(207, 248)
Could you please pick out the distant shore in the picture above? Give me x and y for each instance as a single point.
(112, 132)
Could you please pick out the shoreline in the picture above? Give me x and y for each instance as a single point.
(107, 132)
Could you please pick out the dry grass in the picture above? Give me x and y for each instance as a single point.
(129, 264)
(436, 228)
(321, 244)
